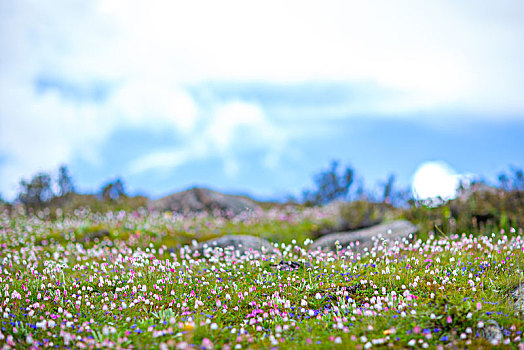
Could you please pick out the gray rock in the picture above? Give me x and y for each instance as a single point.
(240, 243)
(98, 234)
(392, 231)
(204, 200)
(491, 332)
(291, 265)
(517, 294)
(369, 215)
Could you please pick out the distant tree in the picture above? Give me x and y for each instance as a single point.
(518, 179)
(113, 190)
(504, 182)
(37, 192)
(330, 185)
(360, 192)
(512, 182)
(388, 190)
(4, 204)
(65, 182)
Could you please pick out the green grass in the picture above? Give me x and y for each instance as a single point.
(128, 289)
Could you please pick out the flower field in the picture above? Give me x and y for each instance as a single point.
(131, 280)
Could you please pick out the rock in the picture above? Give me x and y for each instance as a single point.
(392, 231)
(351, 216)
(291, 265)
(491, 332)
(517, 295)
(240, 243)
(204, 200)
(94, 235)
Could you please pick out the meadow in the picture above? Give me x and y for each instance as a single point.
(131, 280)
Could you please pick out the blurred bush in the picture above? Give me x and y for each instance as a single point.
(478, 208)
(330, 185)
(37, 194)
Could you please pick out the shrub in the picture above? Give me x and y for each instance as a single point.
(330, 185)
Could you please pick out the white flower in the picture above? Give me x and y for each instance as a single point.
(412, 342)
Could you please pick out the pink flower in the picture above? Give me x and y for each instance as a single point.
(207, 344)
(449, 319)
(479, 306)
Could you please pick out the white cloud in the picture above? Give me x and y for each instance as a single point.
(437, 52)
(162, 159)
(434, 55)
(152, 104)
(230, 130)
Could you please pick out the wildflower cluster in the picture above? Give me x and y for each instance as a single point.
(130, 288)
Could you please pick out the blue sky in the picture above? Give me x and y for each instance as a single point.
(256, 97)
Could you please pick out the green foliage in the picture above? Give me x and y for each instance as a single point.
(99, 205)
(37, 195)
(481, 210)
(133, 291)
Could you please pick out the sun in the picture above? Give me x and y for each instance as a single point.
(433, 180)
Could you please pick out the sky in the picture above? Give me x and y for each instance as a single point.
(257, 97)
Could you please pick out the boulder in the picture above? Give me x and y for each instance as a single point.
(350, 216)
(240, 243)
(94, 235)
(491, 332)
(395, 230)
(291, 265)
(204, 200)
(517, 294)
